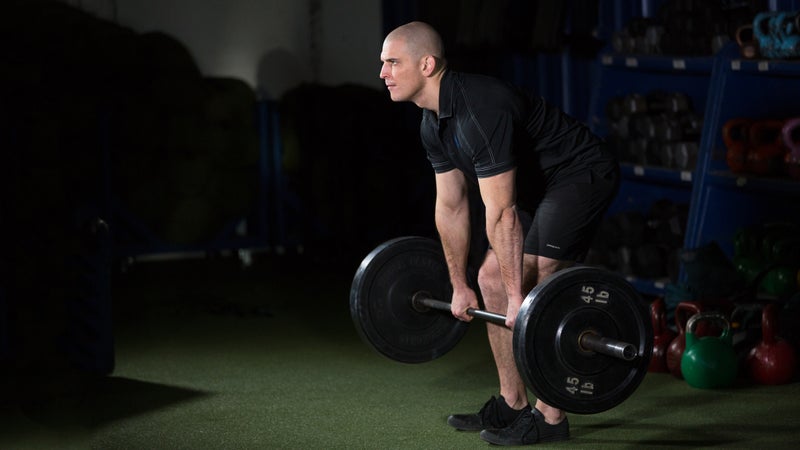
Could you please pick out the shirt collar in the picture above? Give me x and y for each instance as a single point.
(446, 95)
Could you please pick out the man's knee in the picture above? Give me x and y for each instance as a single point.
(491, 283)
(538, 268)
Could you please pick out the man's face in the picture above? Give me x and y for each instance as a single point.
(401, 73)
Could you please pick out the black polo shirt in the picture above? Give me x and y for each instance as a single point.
(487, 126)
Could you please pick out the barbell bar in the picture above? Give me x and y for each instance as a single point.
(588, 340)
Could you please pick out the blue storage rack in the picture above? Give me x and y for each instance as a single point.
(620, 75)
(723, 87)
(722, 201)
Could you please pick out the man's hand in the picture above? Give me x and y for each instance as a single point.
(463, 299)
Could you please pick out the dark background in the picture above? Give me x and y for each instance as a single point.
(116, 147)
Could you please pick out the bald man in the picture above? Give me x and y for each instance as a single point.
(545, 181)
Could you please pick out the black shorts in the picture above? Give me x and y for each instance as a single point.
(567, 217)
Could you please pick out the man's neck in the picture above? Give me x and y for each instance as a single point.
(430, 96)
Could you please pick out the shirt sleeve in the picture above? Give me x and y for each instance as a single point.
(433, 148)
(491, 136)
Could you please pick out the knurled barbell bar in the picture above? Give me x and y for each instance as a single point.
(582, 338)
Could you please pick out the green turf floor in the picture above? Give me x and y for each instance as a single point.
(209, 356)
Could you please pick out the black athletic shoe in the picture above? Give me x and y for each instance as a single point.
(495, 413)
(529, 428)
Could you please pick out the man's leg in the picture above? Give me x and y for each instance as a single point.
(512, 388)
(562, 228)
(543, 423)
(535, 270)
(510, 420)
(497, 412)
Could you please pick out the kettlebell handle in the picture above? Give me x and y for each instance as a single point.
(685, 309)
(790, 132)
(715, 317)
(658, 316)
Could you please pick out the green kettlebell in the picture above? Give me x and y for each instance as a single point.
(709, 362)
(748, 266)
(780, 281)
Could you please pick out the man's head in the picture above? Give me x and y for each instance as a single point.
(413, 57)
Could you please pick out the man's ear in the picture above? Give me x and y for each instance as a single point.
(428, 65)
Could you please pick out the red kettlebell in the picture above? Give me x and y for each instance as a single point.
(662, 336)
(766, 154)
(791, 139)
(773, 360)
(683, 311)
(735, 135)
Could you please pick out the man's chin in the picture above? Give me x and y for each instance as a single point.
(396, 97)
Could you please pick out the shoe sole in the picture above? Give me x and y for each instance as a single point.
(554, 438)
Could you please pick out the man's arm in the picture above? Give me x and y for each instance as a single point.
(505, 235)
(453, 223)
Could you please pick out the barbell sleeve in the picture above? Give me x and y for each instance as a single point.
(589, 341)
(606, 346)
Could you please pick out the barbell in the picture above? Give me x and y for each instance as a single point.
(582, 339)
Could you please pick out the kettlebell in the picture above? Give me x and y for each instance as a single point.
(791, 139)
(662, 336)
(762, 32)
(735, 135)
(747, 41)
(745, 323)
(683, 311)
(749, 267)
(766, 153)
(788, 318)
(776, 242)
(787, 249)
(781, 281)
(709, 362)
(747, 240)
(773, 360)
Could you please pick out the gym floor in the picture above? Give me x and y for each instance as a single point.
(213, 356)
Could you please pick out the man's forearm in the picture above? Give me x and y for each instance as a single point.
(454, 231)
(505, 236)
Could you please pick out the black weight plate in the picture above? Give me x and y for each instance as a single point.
(547, 331)
(381, 307)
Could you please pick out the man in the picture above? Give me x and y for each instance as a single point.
(545, 181)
